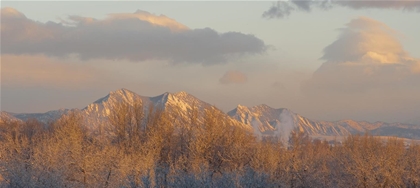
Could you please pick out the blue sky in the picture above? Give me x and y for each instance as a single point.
(280, 73)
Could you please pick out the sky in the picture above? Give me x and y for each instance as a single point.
(330, 60)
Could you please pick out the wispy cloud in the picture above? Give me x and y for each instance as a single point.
(281, 9)
(233, 77)
(138, 36)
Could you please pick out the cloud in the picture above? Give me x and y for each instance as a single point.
(381, 4)
(365, 39)
(366, 75)
(160, 20)
(138, 36)
(233, 77)
(366, 56)
(282, 9)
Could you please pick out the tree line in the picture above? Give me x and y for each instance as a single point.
(145, 148)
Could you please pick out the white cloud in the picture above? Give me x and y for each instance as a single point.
(367, 75)
(367, 40)
(367, 55)
(138, 36)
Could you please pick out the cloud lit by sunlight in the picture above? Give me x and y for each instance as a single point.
(233, 77)
(366, 55)
(160, 20)
(366, 40)
(138, 36)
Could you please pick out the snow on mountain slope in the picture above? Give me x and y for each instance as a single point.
(45, 118)
(244, 115)
(261, 119)
(7, 118)
(410, 131)
(178, 105)
(280, 122)
(97, 113)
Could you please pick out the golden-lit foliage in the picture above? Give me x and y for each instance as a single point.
(144, 148)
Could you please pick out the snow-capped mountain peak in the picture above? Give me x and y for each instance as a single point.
(182, 94)
(262, 119)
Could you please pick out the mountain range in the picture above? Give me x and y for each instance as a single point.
(263, 120)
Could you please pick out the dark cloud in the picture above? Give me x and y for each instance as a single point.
(138, 36)
(285, 8)
(303, 5)
(280, 9)
(380, 4)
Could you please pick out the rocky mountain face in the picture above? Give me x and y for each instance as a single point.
(262, 119)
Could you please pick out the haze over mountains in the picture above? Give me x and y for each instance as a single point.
(263, 120)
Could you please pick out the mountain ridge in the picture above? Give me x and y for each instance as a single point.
(262, 119)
